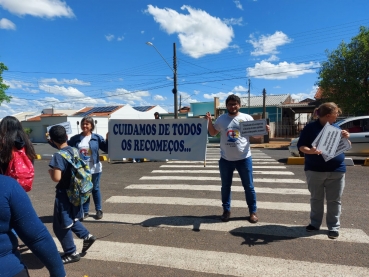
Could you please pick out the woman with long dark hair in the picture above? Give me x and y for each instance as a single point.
(13, 135)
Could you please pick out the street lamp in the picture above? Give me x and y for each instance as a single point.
(174, 69)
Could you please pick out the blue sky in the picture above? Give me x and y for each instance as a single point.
(72, 54)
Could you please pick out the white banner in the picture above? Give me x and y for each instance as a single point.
(329, 140)
(178, 139)
(66, 125)
(253, 128)
(343, 146)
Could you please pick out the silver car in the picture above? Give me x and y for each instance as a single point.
(359, 136)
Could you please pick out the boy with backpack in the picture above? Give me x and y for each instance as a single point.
(73, 184)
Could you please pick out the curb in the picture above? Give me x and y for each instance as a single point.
(296, 160)
(366, 163)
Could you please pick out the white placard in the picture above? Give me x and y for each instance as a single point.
(253, 128)
(317, 139)
(66, 125)
(179, 139)
(343, 146)
(329, 140)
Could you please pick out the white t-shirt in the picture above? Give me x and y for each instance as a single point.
(85, 152)
(233, 147)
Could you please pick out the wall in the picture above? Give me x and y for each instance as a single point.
(202, 108)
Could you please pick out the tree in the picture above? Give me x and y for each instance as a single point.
(3, 87)
(344, 77)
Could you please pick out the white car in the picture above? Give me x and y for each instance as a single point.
(359, 136)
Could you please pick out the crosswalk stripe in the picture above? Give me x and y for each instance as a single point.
(283, 206)
(235, 188)
(210, 261)
(215, 162)
(200, 178)
(217, 172)
(266, 159)
(239, 226)
(215, 166)
(253, 155)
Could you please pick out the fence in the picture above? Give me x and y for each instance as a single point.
(288, 130)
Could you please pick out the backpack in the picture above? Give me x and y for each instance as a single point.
(21, 169)
(81, 180)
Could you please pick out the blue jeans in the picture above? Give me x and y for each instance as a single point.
(65, 236)
(64, 215)
(331, 184)
(244, 168)
(96, 195)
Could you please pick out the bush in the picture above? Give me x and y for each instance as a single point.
(28, 131)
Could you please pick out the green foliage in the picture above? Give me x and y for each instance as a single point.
(3, 87)
(344, 77)
(28, 131)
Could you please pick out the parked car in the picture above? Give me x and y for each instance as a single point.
(358, 127)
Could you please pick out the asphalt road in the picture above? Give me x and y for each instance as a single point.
(162, 219)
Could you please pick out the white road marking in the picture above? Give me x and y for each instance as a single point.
(211, 261)
(283, 206)
(235, 188)
(234, 226)
(217, 172)
(266, 159)
(216, 162)
(200, 178)
(216, 166)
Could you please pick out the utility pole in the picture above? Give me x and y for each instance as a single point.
(264, 108)
(249, 97)
(266, 137)
(175, 81)
(180, 101)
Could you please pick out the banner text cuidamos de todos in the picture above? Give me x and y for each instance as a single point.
(179, 139)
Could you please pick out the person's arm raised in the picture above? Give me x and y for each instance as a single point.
(212, 131)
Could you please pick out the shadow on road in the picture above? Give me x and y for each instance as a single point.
(264, 234)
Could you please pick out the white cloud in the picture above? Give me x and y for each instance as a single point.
(238, 4)
(187, 98)
(40, 8)
(7, 24)
(239, 88)
(277, 87)
(233, 21)
(283, 70)
(303, 95)
(239, 49)
(142, 32)
(272, 58)
(120, 38)
(198, 32)
(65, 81)
(130, 97)
(109, 37)
(62, 91)
(159, 98)
(196, 92)
(15, 84)
(268, 44)
(220, 95)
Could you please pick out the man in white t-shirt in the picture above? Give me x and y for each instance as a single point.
(235, 154)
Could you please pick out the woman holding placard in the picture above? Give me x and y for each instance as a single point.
(323, 177)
